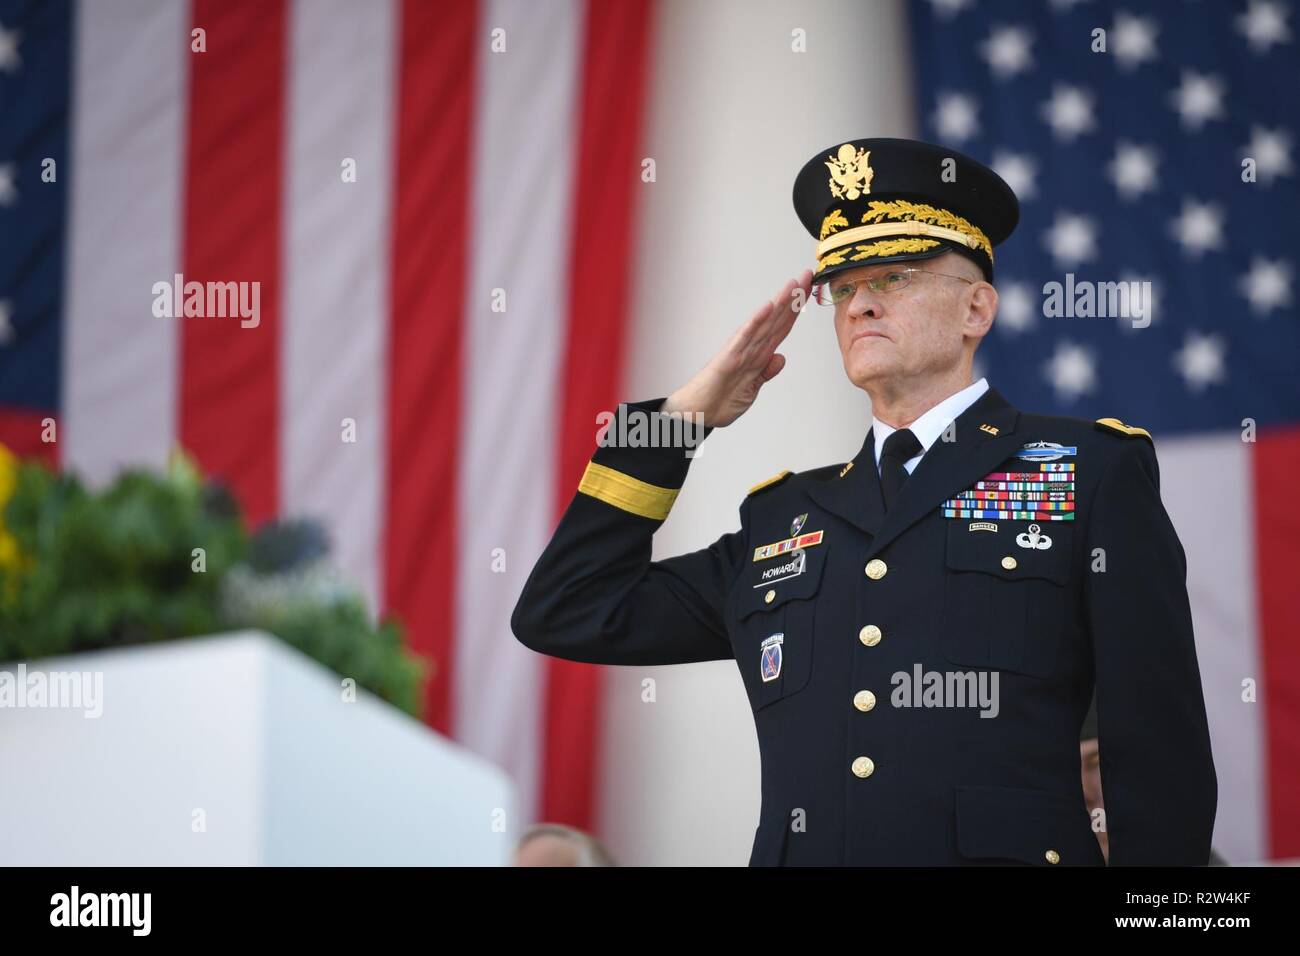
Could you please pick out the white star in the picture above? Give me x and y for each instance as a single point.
(1019, 170)
(1267, 285)
(1198, 99)
(1069, 111)
(1264, 24)
(1271, 150)
(947, 9)
(1200, 360)
(1009, 51)
(1133, 40)
(6, 323)
(1198, 228)
(1071, 240)
(1133, 170)
(1071, 371)
(10, 61)
(1017, 308)
(8, 191)
(955, 118)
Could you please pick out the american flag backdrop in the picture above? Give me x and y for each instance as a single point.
(439, 199)
(380, 297)
(1128, 165)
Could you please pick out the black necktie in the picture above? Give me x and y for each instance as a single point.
(899, 447)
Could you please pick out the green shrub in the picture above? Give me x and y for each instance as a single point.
(83, 570)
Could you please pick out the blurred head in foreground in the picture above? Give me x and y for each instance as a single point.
(553, 844)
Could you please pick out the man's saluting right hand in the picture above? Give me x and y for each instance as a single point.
(724, 389)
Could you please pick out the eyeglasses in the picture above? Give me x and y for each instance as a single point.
(836, 291)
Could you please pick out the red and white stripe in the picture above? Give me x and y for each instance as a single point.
(229, 400)
(521, 201)
(1241, 556)
(334, 344)
(428, 268)
(120, 363)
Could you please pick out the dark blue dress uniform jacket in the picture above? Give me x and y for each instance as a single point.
(1107, 602)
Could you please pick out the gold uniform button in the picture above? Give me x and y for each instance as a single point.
(1009, 563)
(769, 597)
(863, 767)
(876, 569)
(869, 635)
(864, 700)
(1053, 856)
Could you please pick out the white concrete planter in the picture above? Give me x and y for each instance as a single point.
(232, 750)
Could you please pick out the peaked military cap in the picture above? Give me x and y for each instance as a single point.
(887, 200)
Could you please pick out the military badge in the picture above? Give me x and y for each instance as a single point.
(851, 172)
(1033, 540)
(1045, 451)
(797, 524)
(1045, 494)
(770, 658)
(789, 544)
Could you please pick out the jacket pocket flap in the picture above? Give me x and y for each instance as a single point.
(1012, 552)
(770, 584)
(1033, 826)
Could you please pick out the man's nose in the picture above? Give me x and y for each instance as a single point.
(864, 303)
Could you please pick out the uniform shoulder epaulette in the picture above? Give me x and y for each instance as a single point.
(770, 482)
(1117, 426)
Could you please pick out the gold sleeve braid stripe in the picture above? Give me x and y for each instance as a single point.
(627, 493)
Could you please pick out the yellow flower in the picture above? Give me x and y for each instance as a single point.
(10, 559)
(8, 476)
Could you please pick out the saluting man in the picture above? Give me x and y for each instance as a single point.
(919, 630)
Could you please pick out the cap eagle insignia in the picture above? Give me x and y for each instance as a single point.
(850, 172)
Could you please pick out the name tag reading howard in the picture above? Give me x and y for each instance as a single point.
(789, 544)
(781, 572)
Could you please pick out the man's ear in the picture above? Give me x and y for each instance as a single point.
(983, 307)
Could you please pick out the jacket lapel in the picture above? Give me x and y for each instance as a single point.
(855, 495)
(945, 469)
(985, 434)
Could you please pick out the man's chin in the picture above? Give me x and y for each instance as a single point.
(866, 372)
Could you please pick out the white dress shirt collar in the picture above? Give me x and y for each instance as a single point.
(930, 425)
